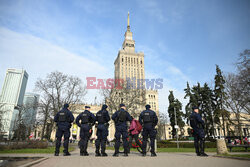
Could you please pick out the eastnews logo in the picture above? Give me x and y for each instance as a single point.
(129, 83)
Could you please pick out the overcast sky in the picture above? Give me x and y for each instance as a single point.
(182, 39)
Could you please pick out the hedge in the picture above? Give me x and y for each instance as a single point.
(168, 144)
(25, 144)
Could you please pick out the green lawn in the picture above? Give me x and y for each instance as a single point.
(237, 155)
(237, 149)
(184, 149)
(48, 150)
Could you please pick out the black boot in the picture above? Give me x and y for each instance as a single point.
(85, 154)
(66, 154)
(97, 154)
(153, 154)
(203, 155)
(104, 154)
(116, 154)
(126, 150)
(57, 150)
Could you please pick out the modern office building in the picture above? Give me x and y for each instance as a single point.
(11, 98)
(30, 103)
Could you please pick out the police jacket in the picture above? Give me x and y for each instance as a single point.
(85, 117)
(148, 118)
(102, 117)
(196, 122)
(121, 117)
(64, 118)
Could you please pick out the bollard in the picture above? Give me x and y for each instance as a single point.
(221, 146)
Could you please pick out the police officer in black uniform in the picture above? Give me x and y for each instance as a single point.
(121, 129)
(63, 120)
(197, 124)
(87, 121)
(102, 118)
(149, 120)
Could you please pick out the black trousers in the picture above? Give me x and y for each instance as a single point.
(199, 143)
(121, 131)
(59, 133)
(101, 140)
(84, 135)
(148, 133)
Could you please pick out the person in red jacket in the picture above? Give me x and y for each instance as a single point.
(134, 130)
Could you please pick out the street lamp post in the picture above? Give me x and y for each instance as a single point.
(176, 127)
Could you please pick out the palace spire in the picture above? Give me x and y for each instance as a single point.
(128, 26)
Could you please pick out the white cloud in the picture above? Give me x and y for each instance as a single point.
(173, 77)
(39, 57)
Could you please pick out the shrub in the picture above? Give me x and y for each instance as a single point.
(169, 144)
(25, 144)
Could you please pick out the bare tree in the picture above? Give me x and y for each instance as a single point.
(233, 100)
(56, 89)
(162, 126)
(243, 80)
(22, 122)
(134, 99)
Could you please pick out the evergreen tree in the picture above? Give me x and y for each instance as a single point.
(201, 97)
(207, 110)
(219, 98)
(188, 107)
(175, 106)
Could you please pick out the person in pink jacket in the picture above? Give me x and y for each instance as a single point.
(134, 130)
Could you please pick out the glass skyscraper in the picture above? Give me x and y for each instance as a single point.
(11, 97)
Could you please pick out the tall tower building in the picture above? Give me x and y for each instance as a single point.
(130, 64)
(11, 97)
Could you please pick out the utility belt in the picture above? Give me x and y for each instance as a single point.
(121, 121)
(105, 124)
(146, 123)
(90, 124)
(200, 126)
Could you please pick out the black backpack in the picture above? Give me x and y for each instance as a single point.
(147, 117)
(62, 116)
(85, 118)
(100, 117)
(122, 115)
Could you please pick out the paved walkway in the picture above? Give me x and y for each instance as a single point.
(135, 160)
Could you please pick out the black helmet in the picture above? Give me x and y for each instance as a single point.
(148, 106)
(104, 106)
(195, 107)
(66, 105)
(122, 105)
